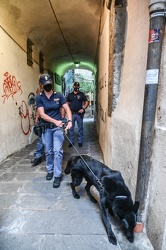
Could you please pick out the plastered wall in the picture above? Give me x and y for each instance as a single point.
(103, 85)
(127, 117)
(119, 135)
(17, 80)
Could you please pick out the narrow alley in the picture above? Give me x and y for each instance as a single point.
(116, 51)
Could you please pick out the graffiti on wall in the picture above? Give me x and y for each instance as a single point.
(10, 86)
(25, 118)
(32, 106)
(102, 113)
(103, 82)
(27, 109)
(27, 112)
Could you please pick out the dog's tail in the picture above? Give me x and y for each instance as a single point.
(68, 166)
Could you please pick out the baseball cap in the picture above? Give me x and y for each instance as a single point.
(45, 79)
(76, 84)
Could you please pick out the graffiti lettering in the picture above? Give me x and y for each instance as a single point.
(10, 86)
(102, 114)
(25, 118)
(32, 106)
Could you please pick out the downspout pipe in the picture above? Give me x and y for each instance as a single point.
(157, 11)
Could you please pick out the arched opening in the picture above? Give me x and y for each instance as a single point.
(87, 86)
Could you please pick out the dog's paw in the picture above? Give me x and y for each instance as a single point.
(112, 239)
(76, 196)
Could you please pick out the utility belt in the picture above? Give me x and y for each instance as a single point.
(76, 112)
(47, 125)
(40, 128)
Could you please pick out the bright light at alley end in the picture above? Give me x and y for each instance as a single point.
(77, 64)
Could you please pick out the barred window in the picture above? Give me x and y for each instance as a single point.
(41, 62)
(29, 52)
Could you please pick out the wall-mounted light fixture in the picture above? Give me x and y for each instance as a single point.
(77, 64)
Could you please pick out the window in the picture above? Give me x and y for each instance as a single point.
(51, 74)
(41, 63)
(29, 52)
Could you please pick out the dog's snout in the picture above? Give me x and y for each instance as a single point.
(130, 236)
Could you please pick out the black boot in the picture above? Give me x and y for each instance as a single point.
(36, 161)
(57, 182)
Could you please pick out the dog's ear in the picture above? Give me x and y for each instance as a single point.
(125, 223)
(135, 207)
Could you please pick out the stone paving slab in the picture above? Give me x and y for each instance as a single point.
(55, 242)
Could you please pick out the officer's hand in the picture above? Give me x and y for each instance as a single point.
(58, 123)
(69, 125)
(81, 111)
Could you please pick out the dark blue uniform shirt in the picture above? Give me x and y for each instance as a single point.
(76, 100)
(51, 106)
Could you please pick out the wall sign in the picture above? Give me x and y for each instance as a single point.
(152, 76)
(154, 36)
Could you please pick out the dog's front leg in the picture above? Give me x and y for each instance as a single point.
(87, 188)
(106, 220)
(75, 194)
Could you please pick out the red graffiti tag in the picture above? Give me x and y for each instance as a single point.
(24, 113)
(10, 86)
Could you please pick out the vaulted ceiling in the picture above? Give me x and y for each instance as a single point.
(65, 31)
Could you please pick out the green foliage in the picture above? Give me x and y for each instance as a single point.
(85, 80)
(86, 86)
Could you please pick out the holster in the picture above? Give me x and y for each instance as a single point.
(37, 130)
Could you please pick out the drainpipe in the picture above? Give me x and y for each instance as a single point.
(157, 11)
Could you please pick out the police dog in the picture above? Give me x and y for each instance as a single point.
(115, 196)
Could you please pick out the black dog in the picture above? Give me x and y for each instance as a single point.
(114, 194)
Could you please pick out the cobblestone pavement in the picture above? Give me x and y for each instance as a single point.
(35, 216)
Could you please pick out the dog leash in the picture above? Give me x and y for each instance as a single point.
(96, 178)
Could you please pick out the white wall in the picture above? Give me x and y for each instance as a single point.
(17, 81)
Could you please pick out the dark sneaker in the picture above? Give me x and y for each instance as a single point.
(57, 182)
(49, 176)
(70, 145)
(79, 144)
(36, 161)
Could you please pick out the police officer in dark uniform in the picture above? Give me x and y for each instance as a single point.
(49, 105)
(78, 103)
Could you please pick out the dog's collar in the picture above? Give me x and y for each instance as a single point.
(122, 197)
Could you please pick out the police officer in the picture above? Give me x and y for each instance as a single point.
(78, 103)
(49, 105)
